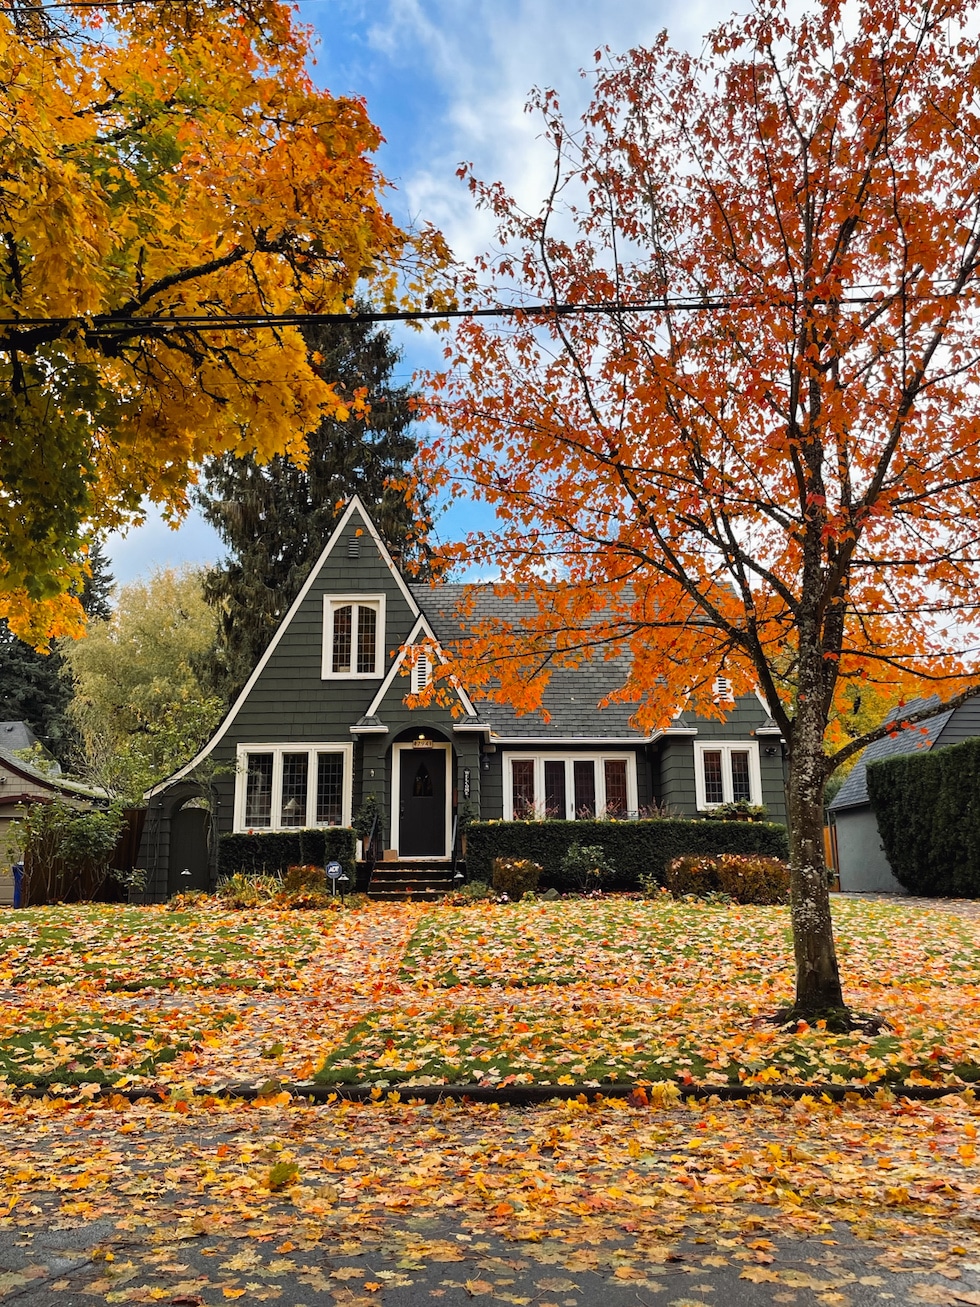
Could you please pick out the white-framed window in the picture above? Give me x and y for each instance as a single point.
(291, 786)
(566, 786)
(726, 772)
(353, 636)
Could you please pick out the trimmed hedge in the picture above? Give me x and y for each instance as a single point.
(928, 811)
(274, 851)
(634, 848)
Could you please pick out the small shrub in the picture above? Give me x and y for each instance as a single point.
(190, 900)
(585, 868)
(303, 879)
(741, 878)
(475, 891)
(241, 891)
(515, 876)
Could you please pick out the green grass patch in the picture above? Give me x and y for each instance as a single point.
(562, 1040)
(127, 949)
(42, 1049)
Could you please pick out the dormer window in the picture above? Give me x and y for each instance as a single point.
(353, 636)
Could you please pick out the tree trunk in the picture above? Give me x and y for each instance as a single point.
(818, 987)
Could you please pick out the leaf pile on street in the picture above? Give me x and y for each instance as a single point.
(392, 1193)
(206, 1198)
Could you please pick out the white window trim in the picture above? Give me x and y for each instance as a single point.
(277, 751)
(726, 748)
(330, 604)
(568, 759)
(398, 752)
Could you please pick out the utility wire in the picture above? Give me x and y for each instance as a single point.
(108, 324)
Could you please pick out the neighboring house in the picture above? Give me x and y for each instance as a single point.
(862, 865)
(22, 783)
(322, 724)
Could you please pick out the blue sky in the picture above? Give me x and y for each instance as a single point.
(447, 81)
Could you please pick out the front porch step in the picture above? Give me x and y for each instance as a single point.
(400, 881)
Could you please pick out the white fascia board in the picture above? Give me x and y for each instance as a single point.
(560, 741)
(762, 700)
(670, 730)
(767, 730)
(355, 506)
(368, 730)
(473, 728)
(421, 628)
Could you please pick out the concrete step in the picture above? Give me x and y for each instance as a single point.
(399, 881)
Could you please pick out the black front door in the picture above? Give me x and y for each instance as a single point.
(422, 800)
(189, 851)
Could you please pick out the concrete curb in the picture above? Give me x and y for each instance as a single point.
(509, 1095)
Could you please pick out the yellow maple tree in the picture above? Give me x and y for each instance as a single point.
(161, 160)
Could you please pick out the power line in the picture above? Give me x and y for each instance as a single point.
(109, 324)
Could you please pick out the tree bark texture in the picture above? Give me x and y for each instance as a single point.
(818, 985)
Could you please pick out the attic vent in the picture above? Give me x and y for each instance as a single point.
(722, 692)
(353, 547)
(420, 673)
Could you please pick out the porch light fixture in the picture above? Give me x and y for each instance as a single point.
(420, 741)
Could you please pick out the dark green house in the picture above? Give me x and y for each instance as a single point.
(322, 724)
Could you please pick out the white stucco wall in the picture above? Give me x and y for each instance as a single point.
(864, 868)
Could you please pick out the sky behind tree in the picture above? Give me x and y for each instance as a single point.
(447, 82)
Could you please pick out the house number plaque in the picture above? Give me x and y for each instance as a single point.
(466, 782)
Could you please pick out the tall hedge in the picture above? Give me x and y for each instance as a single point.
(928, 811)
(635, 848)
(272, 851)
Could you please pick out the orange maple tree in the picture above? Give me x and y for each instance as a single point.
(162, 159)
(761, 459)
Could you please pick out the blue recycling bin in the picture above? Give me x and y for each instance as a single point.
(18, 870)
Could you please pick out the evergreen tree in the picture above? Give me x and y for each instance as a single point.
(275, 518)
(35, 687)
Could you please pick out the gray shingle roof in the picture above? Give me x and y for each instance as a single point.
(17, 735)
(572, 694)
(854, 792)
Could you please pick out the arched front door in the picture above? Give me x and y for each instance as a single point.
(189, 867)
(421, 800)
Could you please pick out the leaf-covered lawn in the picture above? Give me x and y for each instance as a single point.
(603, 991)
(62, 1046)
(96, 946)
(621, 990)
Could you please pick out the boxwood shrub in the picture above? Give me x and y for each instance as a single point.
(928, 811)
(633, 848)
(274, 851)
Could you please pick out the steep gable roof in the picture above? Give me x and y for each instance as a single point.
(354, 509)
(854, 792)
(572, 695)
